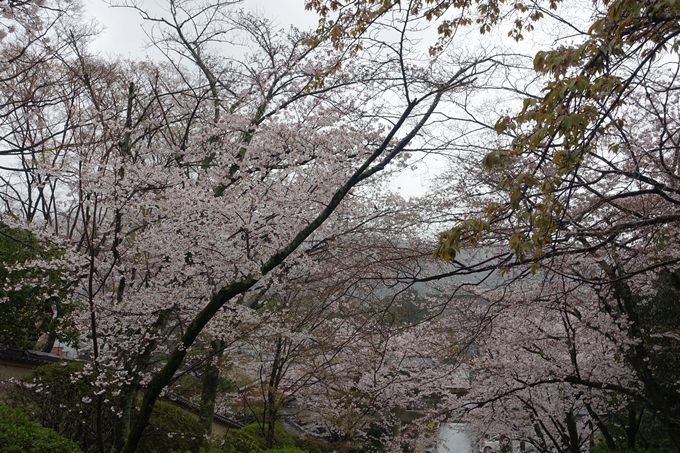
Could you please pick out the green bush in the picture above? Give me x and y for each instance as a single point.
(602, 448)
(313, 445)
(241, 441)
(20, 435)
(171, 429)
(286, 450)
(249, 439)
(211, 449)
(57, 401)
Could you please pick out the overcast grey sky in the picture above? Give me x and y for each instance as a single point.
(123, 33)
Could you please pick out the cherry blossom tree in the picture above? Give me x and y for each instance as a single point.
(542, 343)
(181, 192)
(602, 226)
(580, 195)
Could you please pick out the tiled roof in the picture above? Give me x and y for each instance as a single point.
(196, 408)
(28, 356)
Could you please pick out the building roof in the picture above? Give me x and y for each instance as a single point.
(181, 401)
(33, 358)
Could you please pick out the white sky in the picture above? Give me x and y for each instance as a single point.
(123, 33)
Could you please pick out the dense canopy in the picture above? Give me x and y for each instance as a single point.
(223, 223)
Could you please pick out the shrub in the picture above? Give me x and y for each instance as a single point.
(286, 450)
(66, 405)
(313, 445)
(171, 429)
(249, 439)
(20, 435)
(243, 441)
(210, 449)
(603, 449)
(56, 400)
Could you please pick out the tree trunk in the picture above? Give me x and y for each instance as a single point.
(121, 427)
(270, 417)
(609, 440)
(211, 376)
(49, 343)
(631, 427)
(574, 444)
(126, 399)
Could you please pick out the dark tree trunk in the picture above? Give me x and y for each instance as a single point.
(272, 404)
(49, 343)
(609, 440)
(211, 376)
(572, 429)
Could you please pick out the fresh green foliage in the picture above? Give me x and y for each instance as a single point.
(583, 100)
(18, 434)
(342, 21)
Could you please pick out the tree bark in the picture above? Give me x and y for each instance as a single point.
(572, 429)
(211, 377)
(126, 399)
